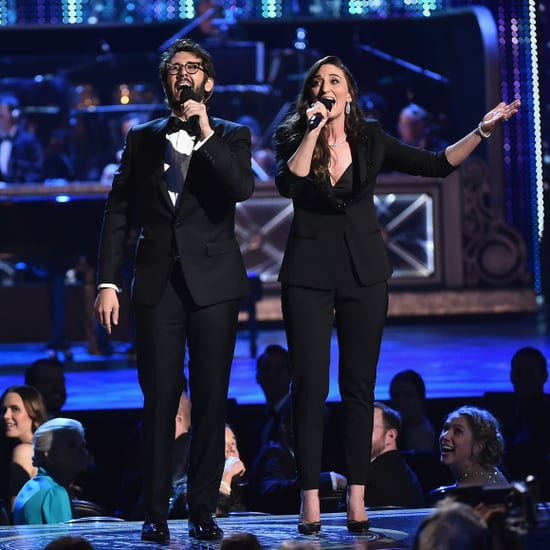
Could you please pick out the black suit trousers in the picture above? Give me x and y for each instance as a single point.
(359, 313)
(162, 333)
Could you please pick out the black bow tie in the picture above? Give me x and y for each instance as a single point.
(175, 124)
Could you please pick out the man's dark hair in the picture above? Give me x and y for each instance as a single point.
(533, 355)
(273, 351)
(186, 45)
(32, 370)
(392, 419)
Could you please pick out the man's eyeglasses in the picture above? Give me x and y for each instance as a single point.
(190, 67)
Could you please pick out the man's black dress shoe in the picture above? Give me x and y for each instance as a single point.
(155, 531)
(309, 528)
(206, 529)
(358, 527)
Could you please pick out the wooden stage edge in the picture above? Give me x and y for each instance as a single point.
(436, 303)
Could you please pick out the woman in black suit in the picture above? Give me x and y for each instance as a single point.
(335, 268)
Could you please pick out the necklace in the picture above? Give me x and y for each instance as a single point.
(339, 142)
(491, 477)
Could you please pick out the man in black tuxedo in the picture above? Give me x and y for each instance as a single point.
(189, 277)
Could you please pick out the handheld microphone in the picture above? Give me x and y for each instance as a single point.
(315, 120)
(187, 93)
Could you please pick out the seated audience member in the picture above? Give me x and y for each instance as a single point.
(273, 376)
(390, 481)
(21, 153)
(69, 542)
(471, 446)
(408, 398)
(525, 417)
(130, 499)
(453, 526)
(301, 545)
(415, 127)
(60, 454)
(230, 497)
(48, 377)
(23, 411)
(241, 541)
(273, 484)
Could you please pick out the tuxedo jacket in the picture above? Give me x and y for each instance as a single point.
(390, 482)
(322, 220)
(199, 233)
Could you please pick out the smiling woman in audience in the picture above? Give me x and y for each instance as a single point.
(471, 446)
(23, 410)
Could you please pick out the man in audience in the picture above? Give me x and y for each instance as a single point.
(48, 377)
(273, 484)
(525, 420)
(390, 481)
(273, 376)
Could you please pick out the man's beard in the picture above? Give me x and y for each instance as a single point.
(174, 100)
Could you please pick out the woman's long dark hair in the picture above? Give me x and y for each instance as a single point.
(292, 129)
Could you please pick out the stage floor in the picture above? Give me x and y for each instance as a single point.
(389, 529)
(456, 358)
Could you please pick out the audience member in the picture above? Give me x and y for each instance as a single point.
(130, 498)
(23, 412)
(60, 454)
(21, 153)
(298, 545)
(471, 446)
(453, 526)
(525, 418)
(416, 127)
(48, 377)
(390, 481)
(69, 542)
(241, 541)
(408, 397)
(273, 483)
(230, 497)
(273, 376)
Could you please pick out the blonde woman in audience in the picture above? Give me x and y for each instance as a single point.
(471, 446)
(23, 411)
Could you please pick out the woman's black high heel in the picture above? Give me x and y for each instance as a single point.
(358, 527)
(312, 528)
(354, 526)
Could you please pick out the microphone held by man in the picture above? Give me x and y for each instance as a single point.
(187, 93)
